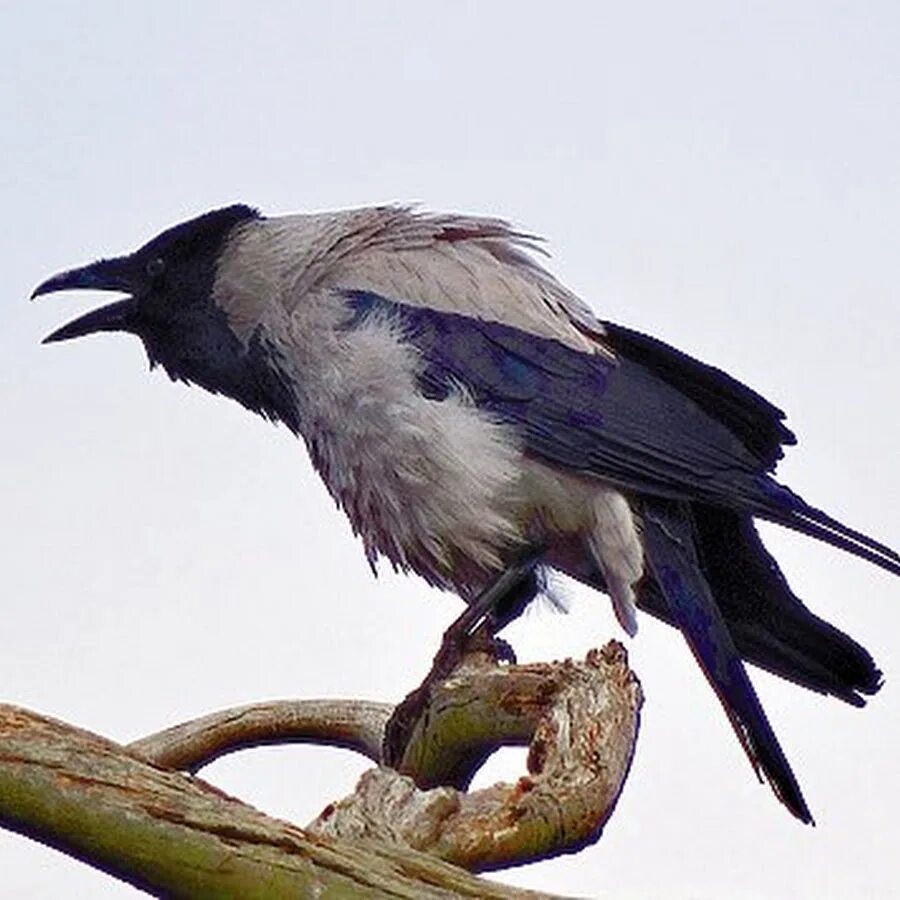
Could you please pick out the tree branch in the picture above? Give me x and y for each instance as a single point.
(352, 724)
(582, 719)
(176, 836)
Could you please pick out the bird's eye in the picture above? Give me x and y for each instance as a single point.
(156, 267)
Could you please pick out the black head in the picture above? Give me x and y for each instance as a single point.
(169, 306)
(169, 280)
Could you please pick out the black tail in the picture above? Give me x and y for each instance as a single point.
(671, 538)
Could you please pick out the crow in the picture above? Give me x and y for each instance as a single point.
(479, 426)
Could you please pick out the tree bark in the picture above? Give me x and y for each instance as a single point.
(176, 836)
(124, 810)
(582, 722)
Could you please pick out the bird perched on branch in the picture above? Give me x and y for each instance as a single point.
(473, 418)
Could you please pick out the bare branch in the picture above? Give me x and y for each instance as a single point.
(353, 724)
(584, 719)
(176, 836)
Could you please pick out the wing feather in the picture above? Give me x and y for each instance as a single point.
(611, 418)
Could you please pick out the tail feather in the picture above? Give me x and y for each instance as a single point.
(671, 542)
(711, 576)
(769, 623)
(786, 659)
(820, 659)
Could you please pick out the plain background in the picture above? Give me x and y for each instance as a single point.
(722, 175)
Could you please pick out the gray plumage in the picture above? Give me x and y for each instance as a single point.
(463, 407)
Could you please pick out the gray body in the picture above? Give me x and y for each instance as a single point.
(439, 487)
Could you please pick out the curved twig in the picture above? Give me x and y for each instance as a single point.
(352, 724)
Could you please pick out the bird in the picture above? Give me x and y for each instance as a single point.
(481, 426)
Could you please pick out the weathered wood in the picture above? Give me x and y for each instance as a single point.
(582, 719)
(175, 836)
(352, 724)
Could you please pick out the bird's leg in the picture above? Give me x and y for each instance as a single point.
(497, 605)
(493, 609)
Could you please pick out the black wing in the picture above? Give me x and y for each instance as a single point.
(655, 421)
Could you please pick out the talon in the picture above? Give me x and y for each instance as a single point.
(503, 651)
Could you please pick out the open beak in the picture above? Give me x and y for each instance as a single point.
(104, 275)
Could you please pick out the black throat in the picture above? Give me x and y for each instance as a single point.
(185, 332)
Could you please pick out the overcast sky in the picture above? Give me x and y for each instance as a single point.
(725, 176)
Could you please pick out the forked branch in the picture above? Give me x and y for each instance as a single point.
(126, 811)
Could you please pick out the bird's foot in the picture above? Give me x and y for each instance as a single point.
(472, 632)
(502, 651)
(457, 643)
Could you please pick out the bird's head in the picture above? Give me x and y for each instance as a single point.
(170, 306)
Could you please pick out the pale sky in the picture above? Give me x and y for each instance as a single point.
(725, 176)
